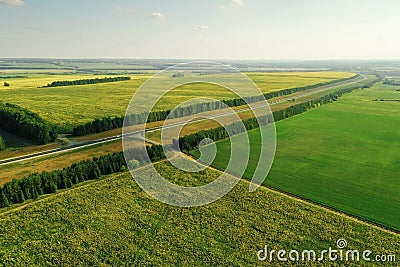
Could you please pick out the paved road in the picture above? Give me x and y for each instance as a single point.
(141, 132)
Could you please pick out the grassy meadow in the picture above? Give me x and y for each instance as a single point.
(112, 222)
(72, 105)
(345, 155)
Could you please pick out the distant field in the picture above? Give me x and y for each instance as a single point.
(112, 222)
(345, 155)
(51, 66)
(73, 105)
(268, 82)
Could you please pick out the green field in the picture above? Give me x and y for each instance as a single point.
(112, 222)
(73, 105)
(345, 155)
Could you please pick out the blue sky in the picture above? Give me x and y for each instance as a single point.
(207, 29)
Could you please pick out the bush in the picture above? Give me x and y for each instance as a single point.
(133, 164)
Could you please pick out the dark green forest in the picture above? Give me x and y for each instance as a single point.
(88, 81)
(25, 123)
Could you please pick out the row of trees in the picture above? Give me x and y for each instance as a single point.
(25, 123)
(98, 125)
(178, 75)
(371, 83)
(190, 142)
(37, 184)
(391, 82)
(2, 143)
(12, 77)
(88, 81)
(109, 123)
(270, 95)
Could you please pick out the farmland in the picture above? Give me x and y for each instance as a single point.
(113, 222)
(344, 155)
(114, 209)
(55, 162)
(199, 133)
(296, 98)
(73, 105)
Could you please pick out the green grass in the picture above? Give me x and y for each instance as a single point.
(112, 222)
(73, 105)
(345, 155)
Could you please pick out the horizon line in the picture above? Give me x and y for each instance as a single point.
(203, 59)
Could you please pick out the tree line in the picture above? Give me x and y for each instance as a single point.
(24, 123)
(37, 184)
(109, 123)
(270, 95)
(391, 82)
(88, 81)
(191, 141)
(371, 83)
(12, 77)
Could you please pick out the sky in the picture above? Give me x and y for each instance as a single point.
(206, 29)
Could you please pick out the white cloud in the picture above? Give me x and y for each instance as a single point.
(12, 2)
(124, 9)
(157, 15)
(202, 28)
(239, 3)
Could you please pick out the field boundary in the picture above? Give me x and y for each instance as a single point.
(265, 187)
(306, 200)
